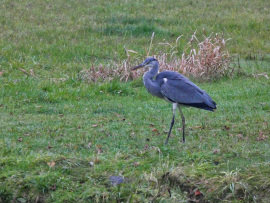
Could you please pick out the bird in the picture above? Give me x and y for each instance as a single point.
(176, 89)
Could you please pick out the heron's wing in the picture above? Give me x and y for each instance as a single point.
(177, 88)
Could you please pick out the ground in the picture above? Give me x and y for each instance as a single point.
(62, 138)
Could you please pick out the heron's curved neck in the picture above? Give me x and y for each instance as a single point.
(149, 82)
(152, 73)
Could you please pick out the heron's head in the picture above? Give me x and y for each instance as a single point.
(148, 63)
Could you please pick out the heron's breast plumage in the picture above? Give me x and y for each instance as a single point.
(152, 86)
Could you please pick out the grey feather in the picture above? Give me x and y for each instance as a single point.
(179, 89)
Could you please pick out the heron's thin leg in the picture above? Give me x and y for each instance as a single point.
(174, 108)
(183, 122)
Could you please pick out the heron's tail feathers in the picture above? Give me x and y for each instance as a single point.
(204, 106)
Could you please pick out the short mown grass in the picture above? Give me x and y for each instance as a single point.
(62, 138)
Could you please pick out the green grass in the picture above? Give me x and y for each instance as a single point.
(54, 37)
(46, 120)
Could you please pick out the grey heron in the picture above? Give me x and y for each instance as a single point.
(174, 88)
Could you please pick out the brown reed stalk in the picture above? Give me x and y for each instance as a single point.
(203, 60)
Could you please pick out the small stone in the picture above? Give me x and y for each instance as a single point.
(116, 180)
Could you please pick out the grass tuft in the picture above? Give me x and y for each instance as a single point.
(206, 60)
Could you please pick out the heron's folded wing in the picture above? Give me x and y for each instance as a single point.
(185, 92)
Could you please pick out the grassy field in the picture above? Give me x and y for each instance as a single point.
(62, 139)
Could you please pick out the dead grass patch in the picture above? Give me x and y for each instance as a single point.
(203, 60)
(247, 185)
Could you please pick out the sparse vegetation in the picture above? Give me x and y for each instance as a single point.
(206, 60)
(63, 139)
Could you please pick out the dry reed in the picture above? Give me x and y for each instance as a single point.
(205, 60)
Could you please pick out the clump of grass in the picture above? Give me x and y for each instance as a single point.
(229, 185)
(246, 185)
(110, 72)
(205, 60)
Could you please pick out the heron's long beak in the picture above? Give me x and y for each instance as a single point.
(138, 67)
